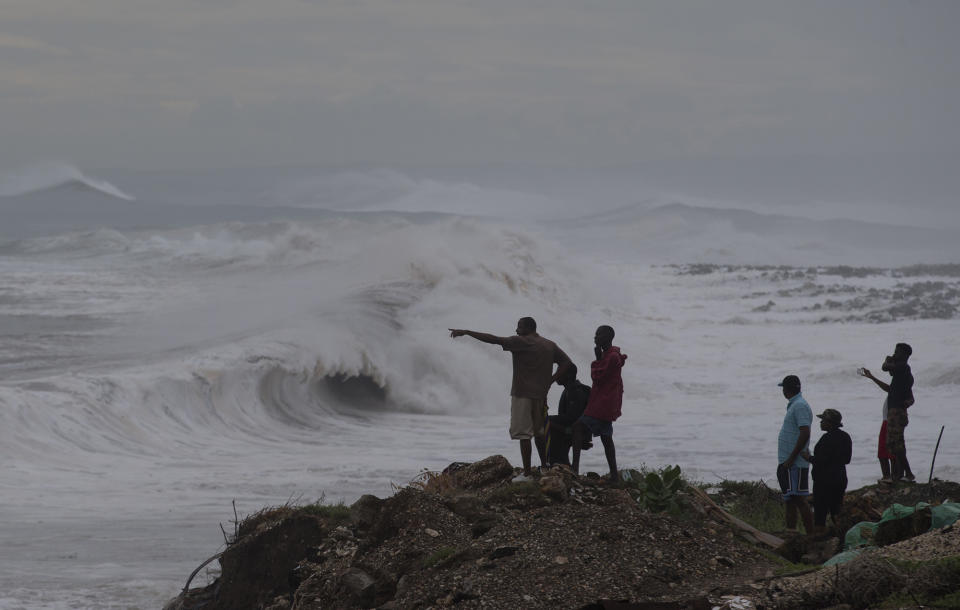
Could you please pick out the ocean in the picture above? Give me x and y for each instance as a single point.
(174, 344)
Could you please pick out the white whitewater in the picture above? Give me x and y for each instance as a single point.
(150, 375)
(49, 176)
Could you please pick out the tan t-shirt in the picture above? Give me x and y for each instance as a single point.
(533, 360)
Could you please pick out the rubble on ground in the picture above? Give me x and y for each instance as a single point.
(471, 537)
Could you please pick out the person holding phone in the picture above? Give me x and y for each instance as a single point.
(892, 444)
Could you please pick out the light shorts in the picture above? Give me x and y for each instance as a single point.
(527, 417)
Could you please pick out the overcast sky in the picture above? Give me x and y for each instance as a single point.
(219, 83)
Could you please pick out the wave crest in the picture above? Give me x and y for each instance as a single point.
(47, 176)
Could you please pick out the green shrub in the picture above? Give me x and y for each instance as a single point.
(656, 491)
(338, 512)
(753, 502)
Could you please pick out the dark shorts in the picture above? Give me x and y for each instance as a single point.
(793, 483)
(896, 421)
(597, 427)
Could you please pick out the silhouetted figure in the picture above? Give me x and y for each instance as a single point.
(883, 453)
(794, 439)
(533, 360)
(573, 401)
(899, 399)
(830, 457)
(606, 400)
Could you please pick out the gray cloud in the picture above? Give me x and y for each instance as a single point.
(144, 84)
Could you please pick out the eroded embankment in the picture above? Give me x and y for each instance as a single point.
(471, 538)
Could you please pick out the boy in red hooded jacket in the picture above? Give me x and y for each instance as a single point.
(606, 399)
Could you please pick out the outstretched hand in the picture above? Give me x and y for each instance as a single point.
(865, 372)
(456, 332)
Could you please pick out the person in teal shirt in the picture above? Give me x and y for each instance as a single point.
(792, 470)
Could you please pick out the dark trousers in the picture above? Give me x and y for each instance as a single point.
(560, 440)
(827, 499)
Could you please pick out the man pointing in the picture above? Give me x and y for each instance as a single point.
(533, 374)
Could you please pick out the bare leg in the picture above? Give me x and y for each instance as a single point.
(578, 432)
(611, 452)
(807, 515)
(906, 467)
(541, 444)
(791, 515)
(897, 466)
(885, 467)
(525, 451)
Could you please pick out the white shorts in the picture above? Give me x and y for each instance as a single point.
(527, 417)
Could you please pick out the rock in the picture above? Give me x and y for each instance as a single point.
(403, 585)
(503, 551)
(342, 533)
(472, 510)
(364, 512)
(431, 532)
(455, 467)
(486, 471)
(279, 603)
(361, 585)
(820, 551)
(560, 560)
(554, 487)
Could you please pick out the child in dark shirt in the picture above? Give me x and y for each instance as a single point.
(559, 436)
(830, 458)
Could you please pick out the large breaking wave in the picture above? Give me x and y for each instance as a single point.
(279, 330)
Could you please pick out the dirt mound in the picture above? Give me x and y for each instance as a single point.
(472, 538)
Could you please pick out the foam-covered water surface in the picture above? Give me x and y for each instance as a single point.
(165, 352)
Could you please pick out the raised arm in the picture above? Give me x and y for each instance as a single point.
(485, 337)
(883, 386)
(563, 363)
(610, 362)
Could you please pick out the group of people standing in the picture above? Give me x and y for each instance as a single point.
(586, 412)
(583, 413)
(834, 449)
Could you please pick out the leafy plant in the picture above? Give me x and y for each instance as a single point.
(658, 491)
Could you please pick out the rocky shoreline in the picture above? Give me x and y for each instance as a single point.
(471, 538)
